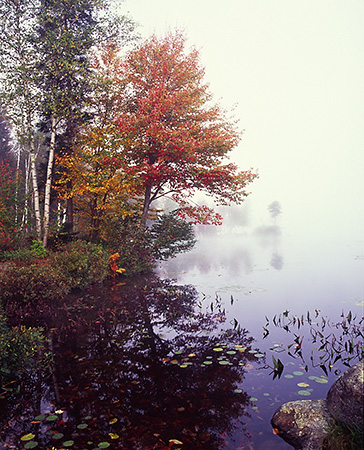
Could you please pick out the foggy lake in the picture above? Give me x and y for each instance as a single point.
(187, 355)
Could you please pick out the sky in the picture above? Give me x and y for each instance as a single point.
(294, 72)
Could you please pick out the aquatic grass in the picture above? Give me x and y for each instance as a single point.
(342, 344)
(342, 437)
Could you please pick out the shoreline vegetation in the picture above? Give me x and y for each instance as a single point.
(98, 128)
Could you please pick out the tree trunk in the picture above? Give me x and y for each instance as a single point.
(33, 171)
(47, 195)
(69, 209)
(147, 195)
(95, 221)
(25, 214)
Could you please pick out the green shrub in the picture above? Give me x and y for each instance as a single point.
(39, 281)
(171, 235)
(25, 254)
(19, 348)
(10, 206)
(21, 254)
(82, 263)
(133, 243)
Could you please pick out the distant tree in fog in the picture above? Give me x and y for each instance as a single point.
(274, 209)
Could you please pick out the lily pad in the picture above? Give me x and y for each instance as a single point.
(68, 443)
(40, 417)
(253, 399)
(82, 426)
(297, 372)
(288, 376)
(259, 355)
(31, 444)
(302, 384)
(57, 436)
(231, 352)
(238, 391)
(207, 363)
(224, 362)
(51, 418)
(103, 445)
(27, 437)
(321, 380)
(304, 392)
(217, 349)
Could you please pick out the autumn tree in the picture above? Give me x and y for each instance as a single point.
(64, 36)
(176, 141)
(100, 186)
(66, 32)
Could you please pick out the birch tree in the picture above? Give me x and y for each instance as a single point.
(20, 96)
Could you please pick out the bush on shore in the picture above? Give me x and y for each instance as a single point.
(78, 265)
(33, 283)
(19, 348)
(82, 263)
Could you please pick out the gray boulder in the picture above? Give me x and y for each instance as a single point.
(304, 423)
(345, 399)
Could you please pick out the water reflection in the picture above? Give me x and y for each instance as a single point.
(276, 261)
(140, 366)
(237, 253)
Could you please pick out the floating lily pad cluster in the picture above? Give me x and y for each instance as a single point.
(307, 390)
(303, 388)
(222, 353)
(53, 420)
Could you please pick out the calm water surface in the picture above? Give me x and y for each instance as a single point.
(158, 364)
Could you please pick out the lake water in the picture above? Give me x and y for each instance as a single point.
(269, 271)
(151, 363)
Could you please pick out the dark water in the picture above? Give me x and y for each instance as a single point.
(157, 364)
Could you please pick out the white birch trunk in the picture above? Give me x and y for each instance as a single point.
(33, 171)
(47, 195)
(24, 219)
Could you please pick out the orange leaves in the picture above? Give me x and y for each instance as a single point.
(114, 270)
(174, 138)
(154, 132)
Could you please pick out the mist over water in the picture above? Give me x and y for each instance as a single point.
(293, 72)
(269, 266)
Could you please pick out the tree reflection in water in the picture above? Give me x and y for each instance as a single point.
(139, 367)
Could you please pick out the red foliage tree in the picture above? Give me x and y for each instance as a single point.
(176, 141)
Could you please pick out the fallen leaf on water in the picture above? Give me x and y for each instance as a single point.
(175, 442)
(114, 436)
